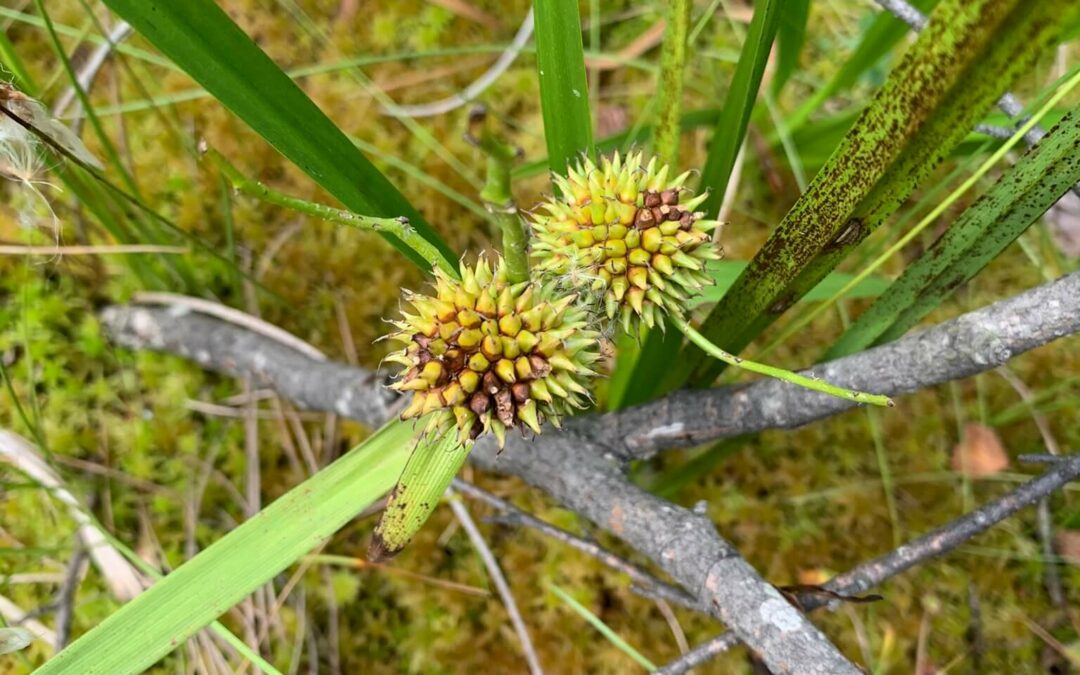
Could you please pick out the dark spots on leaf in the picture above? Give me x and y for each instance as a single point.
(782, 305)
(849, 234)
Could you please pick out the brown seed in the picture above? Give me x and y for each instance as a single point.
(423, 356)
(491, 383)
(520, 390)
(540, 366)
(421, 340)
(454, 360)
(643, 219)
(657, 214)
(504, 407)
(479, 403)
(686, 220)
(669, 196)
(652, 199)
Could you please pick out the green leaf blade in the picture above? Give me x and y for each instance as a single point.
(246, 81)
(981, 233)
(954, 72)
(791, 34)
(730, 129)
(140, 633)
(564, 90)
(884, 32)
(728, 134)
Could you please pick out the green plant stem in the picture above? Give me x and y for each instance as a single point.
(672, 64)
(399, 227)
(772, 371)
(498, 197)
(931, 217)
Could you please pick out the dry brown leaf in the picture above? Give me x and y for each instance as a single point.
(980, 452)
(1067, 543)
(813, 577)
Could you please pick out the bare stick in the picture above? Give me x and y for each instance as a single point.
(929, 546)
(577, 466)
(973, 343)
(497, 577)
(238, 351)
(89, 70)
(65, 597)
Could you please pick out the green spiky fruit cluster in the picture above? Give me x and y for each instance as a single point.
(483, 354)
(625, 230)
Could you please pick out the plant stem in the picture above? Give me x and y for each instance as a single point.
(399, 227)
(498, 195)
(672, 63)
(772, 371)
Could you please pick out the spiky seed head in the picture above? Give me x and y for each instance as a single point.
(629, 232)
(483, 354)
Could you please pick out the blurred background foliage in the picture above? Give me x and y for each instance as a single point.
(157, 446)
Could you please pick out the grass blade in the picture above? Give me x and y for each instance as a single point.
(605, 630)
(240, 75)
(730, 129)
(564, 91)
(691, 120)
(156, 622)
(951, 76)
(986, 228)
(790, 37)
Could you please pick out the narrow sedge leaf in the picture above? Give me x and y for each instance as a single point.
(564, 91)
(244, 79)
(791, 34)
(605, 630)
(739, 102)
(149, 627)
(432, 464)
(981, 233)
(968, 54)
